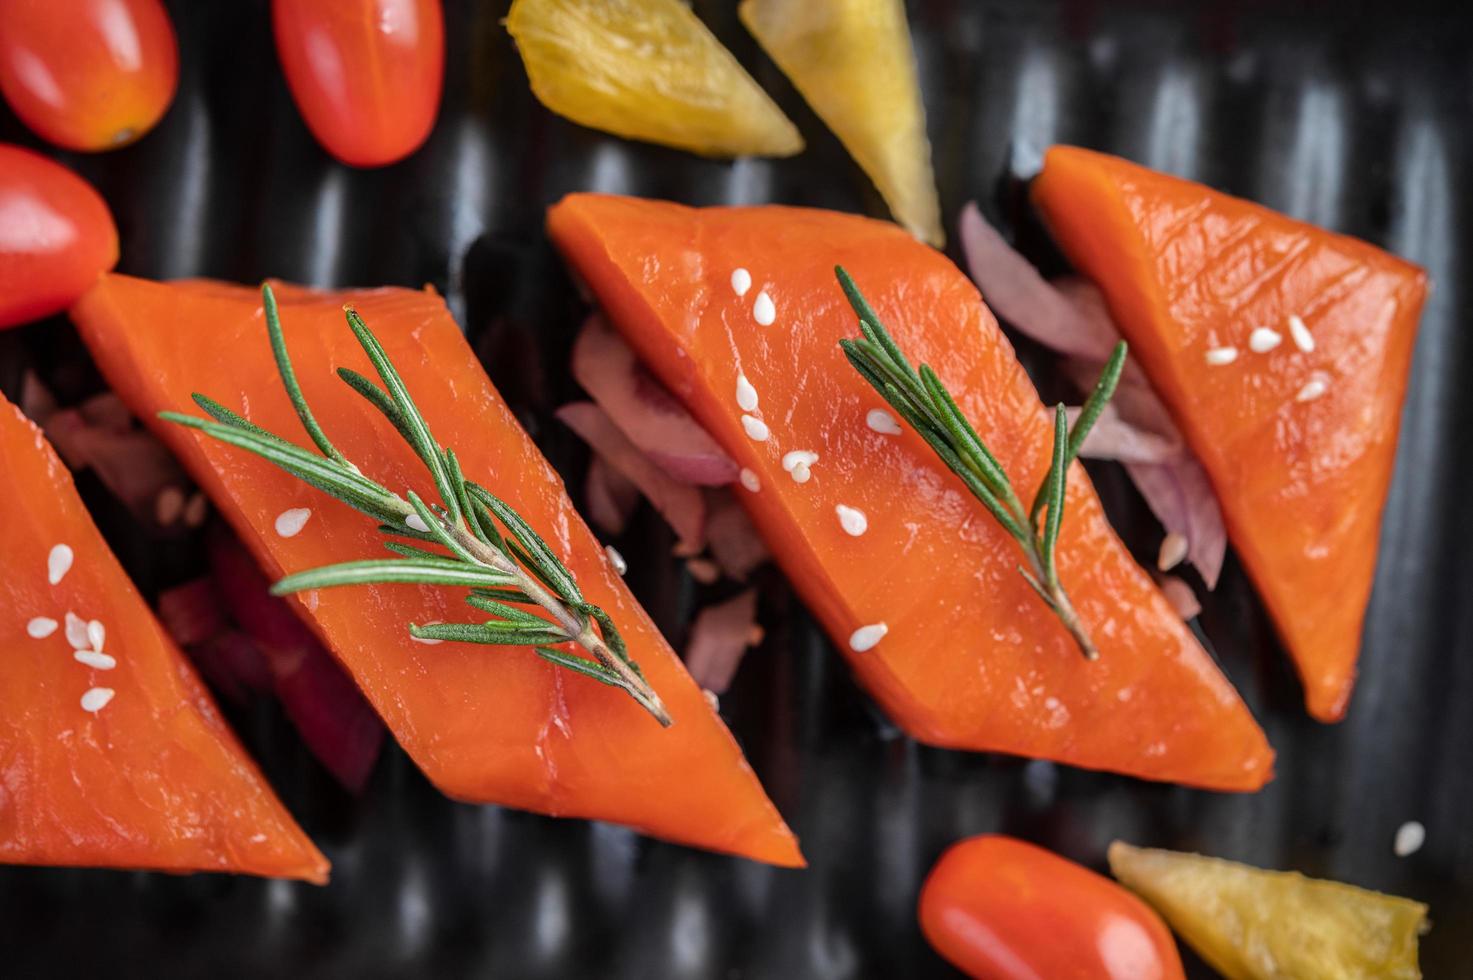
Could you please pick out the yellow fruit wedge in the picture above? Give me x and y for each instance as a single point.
(852, 61)
(1251, 924)
(647, 70)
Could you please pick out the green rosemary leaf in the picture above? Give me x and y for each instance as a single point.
(410, 551)
(376, 397)
(351, 488)
(1103, 391)
(502, 595)
(534, 551)
(611, 635)
(418, 430)
(580, 665)
(225, 416)
(495, 633)
(962, 432)
(421, 571)
(1058, 477)
(467, 505)
(509, 613)
(289, 378)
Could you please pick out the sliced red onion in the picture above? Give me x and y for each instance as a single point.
(651, 418)
(1071, 317)
(129, 460)
(335, 721)
(192, 612)
(735, 544)
(679, 503)
(719, 639)
(232, 665)
(1181, 596)
(610, 495)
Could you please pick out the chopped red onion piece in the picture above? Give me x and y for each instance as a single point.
(719, 639)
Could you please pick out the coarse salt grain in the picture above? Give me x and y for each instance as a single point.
(289, 523)
(1303, 339)
(96, 699)
(1263, 340)
(58, 563)
(741, 281)
(763, 310)
(1218, 356)
(852, 520)
(746, 395)
(882, 422)
(95, 658)
(866, 637)
(41, 627)
(1410, 837)
(750, 480)
(1173, 551)
(756, 428)
(617, 560)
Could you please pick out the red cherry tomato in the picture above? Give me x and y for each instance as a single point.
(87, 74)
(56, 236)
(366, 74)
(1000, 909)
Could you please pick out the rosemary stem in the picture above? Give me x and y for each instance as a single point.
(579, 629)
(1059, 598)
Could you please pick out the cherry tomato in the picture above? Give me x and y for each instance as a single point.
(366, 74)
(88, 74)
(1000, 909)
(56, 236)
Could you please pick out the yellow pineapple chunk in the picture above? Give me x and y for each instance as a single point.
(647, 70)
(1251, 924)
(852, 61)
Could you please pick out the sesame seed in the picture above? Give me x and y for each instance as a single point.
(1303, 339)
(799, 457)
(1410, 837)
(756, 428)
(168, 506)
(882, 422)
(750, 480)
(289, 523)
(711, 698)
(763, 311)
(40, 627)
(1173, 550)
(58, 563)
(617, 560)
(866, 637)
(1263, 340)
(428, 641)
(96, 699)
(196, 510)
(741, 281)
(95, 658)
(415, 522)
(1313, 388)
(801, 473)
(96, 634)
(852, 520)
(1218, 356)
(76, 632)
(746, 395)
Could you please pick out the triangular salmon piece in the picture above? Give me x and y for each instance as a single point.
(486, 724)
(1252, 924)
(734, 305)
(1282, 350)
(852, 61)
(112, 753)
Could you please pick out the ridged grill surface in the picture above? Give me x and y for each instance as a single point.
(1350, 115)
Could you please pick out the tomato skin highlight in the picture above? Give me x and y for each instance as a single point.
(56, 236)
(1001, 909)
(365, 74)
(88, 74)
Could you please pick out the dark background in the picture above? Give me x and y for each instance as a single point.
(1350, 116)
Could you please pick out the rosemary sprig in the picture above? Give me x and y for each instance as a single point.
(505, 568)
(923, 401)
